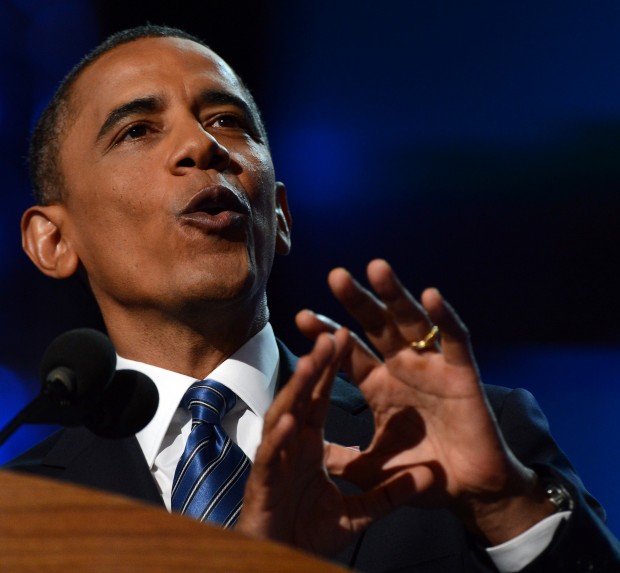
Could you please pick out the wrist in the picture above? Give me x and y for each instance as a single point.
(501, 516)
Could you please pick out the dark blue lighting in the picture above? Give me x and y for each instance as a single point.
(320, 160)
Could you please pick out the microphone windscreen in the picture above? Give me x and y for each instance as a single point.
(127, 405)
(88, 354)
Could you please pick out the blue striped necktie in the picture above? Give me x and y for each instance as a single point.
(210, 477)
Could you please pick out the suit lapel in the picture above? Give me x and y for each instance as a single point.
(118, 466)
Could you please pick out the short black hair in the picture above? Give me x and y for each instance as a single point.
(44, 154)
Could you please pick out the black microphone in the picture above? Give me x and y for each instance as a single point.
(126, 406)
(75, 370)
(80, 386)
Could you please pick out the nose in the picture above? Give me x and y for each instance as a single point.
(196, 148)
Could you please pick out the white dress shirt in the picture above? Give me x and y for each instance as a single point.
(252, 373)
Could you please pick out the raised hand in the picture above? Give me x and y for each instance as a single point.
(436, 442)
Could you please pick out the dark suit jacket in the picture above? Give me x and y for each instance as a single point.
(409, 539)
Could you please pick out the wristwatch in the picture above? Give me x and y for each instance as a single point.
(556, 493)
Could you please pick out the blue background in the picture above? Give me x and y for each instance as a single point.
(473, 145)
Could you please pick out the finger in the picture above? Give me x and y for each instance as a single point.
(372, 314)
(338, 457)
(353, 465)
(269, 455)
(357, 360)
(311, 324)
(377, 502)
(408, 314)
(455, 343)
(370, 473)
(322, 390)
(295, 397)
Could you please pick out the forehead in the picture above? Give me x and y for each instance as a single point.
(149, 66)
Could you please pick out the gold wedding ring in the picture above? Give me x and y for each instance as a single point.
(428, 340)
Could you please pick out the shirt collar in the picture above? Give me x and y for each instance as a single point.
(251, 372)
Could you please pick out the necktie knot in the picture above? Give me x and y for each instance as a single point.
(208, 401)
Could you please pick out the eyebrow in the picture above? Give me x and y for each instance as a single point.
(148, 104)
(152, 104)
(217, 97)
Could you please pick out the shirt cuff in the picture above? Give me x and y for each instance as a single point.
(517, 553)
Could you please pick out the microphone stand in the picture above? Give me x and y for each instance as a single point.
(33, 409)
(55, 395)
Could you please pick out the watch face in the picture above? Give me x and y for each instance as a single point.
(558, 496)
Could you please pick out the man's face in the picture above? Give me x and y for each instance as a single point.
(171, 198)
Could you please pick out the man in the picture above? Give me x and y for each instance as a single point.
(155, 184)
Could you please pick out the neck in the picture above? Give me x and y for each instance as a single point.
(187, 346)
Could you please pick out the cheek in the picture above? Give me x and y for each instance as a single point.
(256, 168)
(258, 180)
(113, 220)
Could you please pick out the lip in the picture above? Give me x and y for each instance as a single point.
(215, 208)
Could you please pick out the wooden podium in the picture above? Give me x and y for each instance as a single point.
(51, 527)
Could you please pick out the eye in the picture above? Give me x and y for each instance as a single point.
(135, 131)
(228, 120)
(236, 124)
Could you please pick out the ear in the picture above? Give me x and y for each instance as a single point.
(45, 244)
(284, 221)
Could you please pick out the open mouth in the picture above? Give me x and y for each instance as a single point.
(216, 208)
(216, 200)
